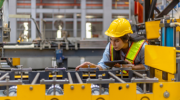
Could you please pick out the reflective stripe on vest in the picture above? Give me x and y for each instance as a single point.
(111, 52)
(134, 50)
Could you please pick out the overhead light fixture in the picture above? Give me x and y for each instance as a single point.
(78, 14)
(121, 16)
(59, 32)
(25, 31)
(59, 16)
(88, 30)
(89, 16)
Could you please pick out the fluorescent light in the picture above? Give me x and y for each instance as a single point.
(121, 16)
(59, 32)
(88, 30)
(89, 16)
(78, 14)
(60, 16)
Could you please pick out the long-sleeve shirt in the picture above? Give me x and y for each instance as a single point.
(138, 60)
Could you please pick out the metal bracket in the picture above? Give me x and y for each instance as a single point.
(21, 70)
(54, 81)
(8, 82)
(100, 80)
(6, 29)
(88, 69)
(55, 69)
(144, 80)
(121, 68)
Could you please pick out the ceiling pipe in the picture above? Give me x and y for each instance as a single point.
(64, 4)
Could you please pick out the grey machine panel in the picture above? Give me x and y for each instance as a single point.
(36, 62)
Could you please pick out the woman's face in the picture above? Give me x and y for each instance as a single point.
(117, 43)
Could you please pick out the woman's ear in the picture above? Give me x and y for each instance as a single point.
(126, 41)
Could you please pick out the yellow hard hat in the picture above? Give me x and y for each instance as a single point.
(119, 27)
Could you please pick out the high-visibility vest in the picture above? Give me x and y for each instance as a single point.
(132, 52)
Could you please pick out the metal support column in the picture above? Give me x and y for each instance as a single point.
(40, 17)
(75, 24)
(131, 11)
(83, 19)
(33, 15)
(107, 15)
(13, 22)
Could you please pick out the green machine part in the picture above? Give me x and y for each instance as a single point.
(1, 3)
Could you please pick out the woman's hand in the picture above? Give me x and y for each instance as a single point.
(85, 65)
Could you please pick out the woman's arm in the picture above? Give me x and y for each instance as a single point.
(101, 64)
(86, 64)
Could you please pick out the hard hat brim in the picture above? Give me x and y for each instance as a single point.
(118, 35)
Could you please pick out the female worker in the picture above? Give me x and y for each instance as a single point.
(123, 46)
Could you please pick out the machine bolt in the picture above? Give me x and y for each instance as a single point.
(100, 76)
(161, 85)
(166, 94)
(88, 79)
(66, 79)
(133, 78)
(31, 88)
(82, 86)
(7, 77)
(127, 85)
(72, 87)
(42, 80)
(144, 75)
(111, 78)
(54, 77)
(19, 80)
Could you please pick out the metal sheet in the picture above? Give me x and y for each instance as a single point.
(158, 74)
(36, 62)
(8, 98)
(52, 97)
(172, 87)
(162, 58)
(145, 97)
(15, 61)
(93, 44)
(152, 29)
(73, 62)
(120, 90)
(37, 92)
(77, 93)
(100, 97)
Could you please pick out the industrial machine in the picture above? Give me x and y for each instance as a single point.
(54, 81)
(106, 85)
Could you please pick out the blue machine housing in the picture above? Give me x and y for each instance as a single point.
(168, 34)
(59, 56)
(168, 37)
